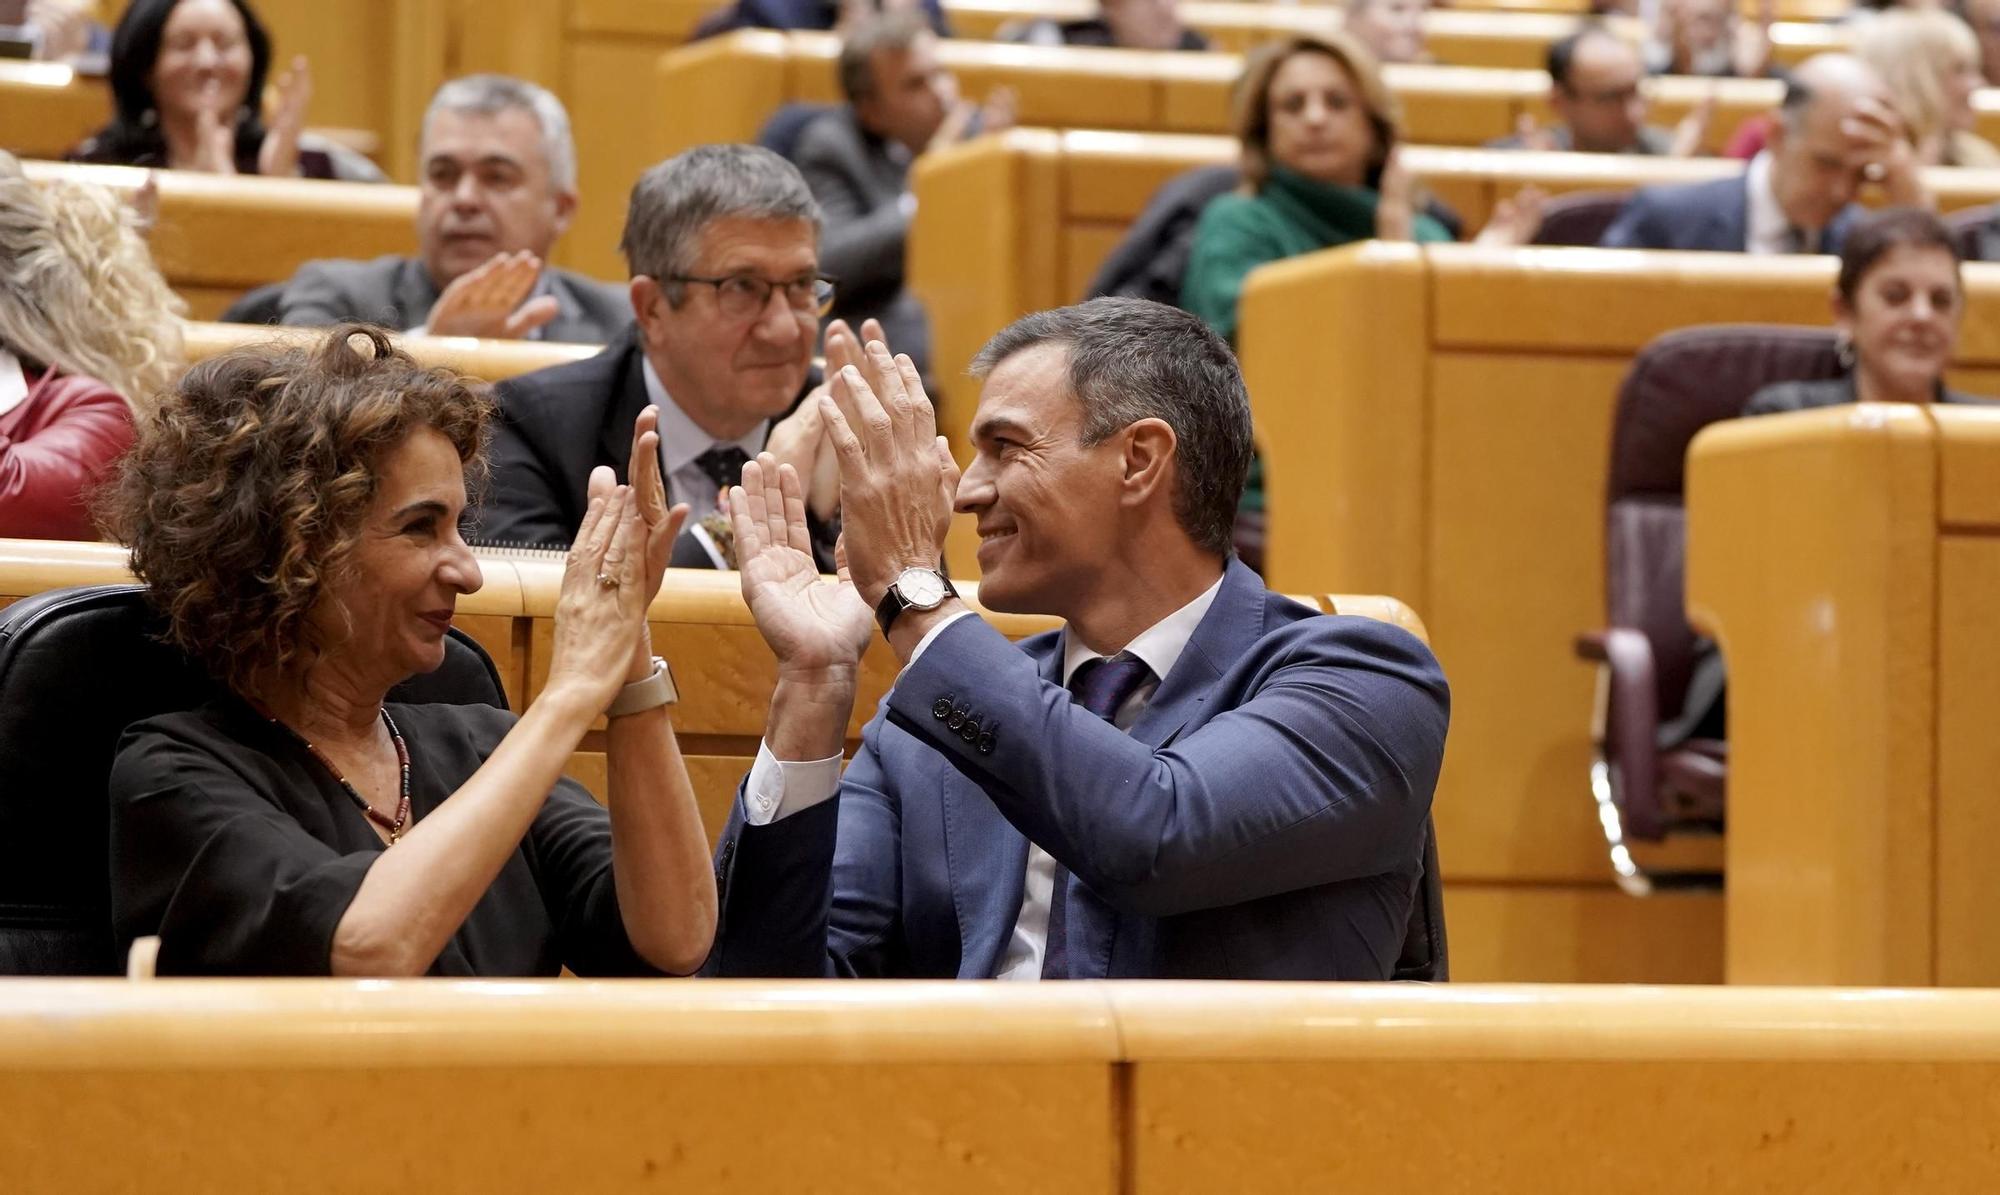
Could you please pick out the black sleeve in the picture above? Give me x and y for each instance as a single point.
(570, 844)
(201, 857)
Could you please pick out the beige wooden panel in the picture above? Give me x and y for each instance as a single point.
(1969, 497)
(1549, 933)
(608, 84)
(347, 44)
(46, 109)
(1968, 760)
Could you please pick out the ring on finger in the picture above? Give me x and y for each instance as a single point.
(1874, 172)
(606, 581)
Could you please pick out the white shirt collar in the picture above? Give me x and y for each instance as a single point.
(13, 382)
(1768, 229)
(681, 438)
(1160, 645)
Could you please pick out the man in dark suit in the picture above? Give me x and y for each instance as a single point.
(723, 246)
(1599, 106)
(498, 189)
(901, 101)
(1193, 778)
(1835, 131)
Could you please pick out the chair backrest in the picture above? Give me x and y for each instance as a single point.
(781, 133)
(1424, 957)
(1152, 256)
(1678, 385)
(77, 666)
(1579, 218)
(1969, 231)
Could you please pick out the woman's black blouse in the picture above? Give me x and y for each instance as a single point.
(237, 847)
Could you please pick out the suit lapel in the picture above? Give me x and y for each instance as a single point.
(1235, 621)
(614, 442)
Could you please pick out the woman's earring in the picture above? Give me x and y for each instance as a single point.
(1843, 351)
(149, 118)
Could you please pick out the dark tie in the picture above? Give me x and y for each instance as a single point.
(1102, 687)
(723, 465)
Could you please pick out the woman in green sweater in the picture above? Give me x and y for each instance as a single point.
(1318, 128)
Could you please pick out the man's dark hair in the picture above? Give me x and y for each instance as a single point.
(1133, 359)
(888, 31)
(1562, 52)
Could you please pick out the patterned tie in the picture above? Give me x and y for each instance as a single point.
(723, 465)
(1102, 687)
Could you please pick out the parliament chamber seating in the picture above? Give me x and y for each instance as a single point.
(1657, 770)
(1847, 560)
(488, 360)
(46, 108)
(1446, 442)
(1136, 1088)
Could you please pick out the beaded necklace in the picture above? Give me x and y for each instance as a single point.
(395, 826)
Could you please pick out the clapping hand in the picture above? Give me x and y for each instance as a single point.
(813, 626)
(491, 300)
(897, 478)
(603, 602)
(800, 439)
(278, 157)
(1515, 220)
(1396, 204)
(659, 523)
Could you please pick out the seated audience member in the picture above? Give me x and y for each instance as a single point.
(1707, 38)
(88, 334)
(498, 187)
(1193, 778)
(1391, 30)
(1984, 17)
(1595, 92)
(723, 246)
(1930, 60)
(1834, 130)
(1897, 308)
(1124, 24)
(187, 80)
(901, 102)
(294, 515)
(837, 15)
(63, 30)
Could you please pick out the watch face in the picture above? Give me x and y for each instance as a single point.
(921, 588)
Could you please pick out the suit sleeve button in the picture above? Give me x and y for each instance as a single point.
(986, 744)
(957, 718)
(941, 708)
(970, 731)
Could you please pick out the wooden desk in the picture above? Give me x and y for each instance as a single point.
(1847, 561)
(488, 360)
(46, 108)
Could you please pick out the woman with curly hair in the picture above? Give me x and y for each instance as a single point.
(88, 333)
(295, 515)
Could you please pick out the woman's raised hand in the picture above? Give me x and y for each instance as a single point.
(602, 608)
(663, 523)
(1396, 208)
(278, 157)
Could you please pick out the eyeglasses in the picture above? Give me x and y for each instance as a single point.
(744, 296)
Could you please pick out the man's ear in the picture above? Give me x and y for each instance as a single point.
(649, 306)
(1150, 452)
(565, 202)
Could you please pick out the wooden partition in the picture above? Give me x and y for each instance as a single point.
(1017, 223)
(842, 1086)
(1436, 425)
(46, 109)
(488, 360)
(220, 235)
(1848, 560)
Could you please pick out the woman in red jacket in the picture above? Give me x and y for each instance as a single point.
(88, 332)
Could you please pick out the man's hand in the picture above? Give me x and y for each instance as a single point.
(897, 478)
(1001, 109)
(814, 627)
(1515, 220)
(278, 157)
(1534, 136)
(491, 300)
(1880, 150)
(800, 439)
(1692, 131)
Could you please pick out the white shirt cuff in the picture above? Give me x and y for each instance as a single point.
(778, 789)
(933, 633)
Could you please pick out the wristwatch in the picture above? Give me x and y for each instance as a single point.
(913, 589)
(646, 693)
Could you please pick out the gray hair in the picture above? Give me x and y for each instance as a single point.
(1133, 359)
(888, 31)
(490, 95)
(674, 201)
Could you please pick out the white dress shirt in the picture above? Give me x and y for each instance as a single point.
(13, 382)
(778, 789)
(1767, 229)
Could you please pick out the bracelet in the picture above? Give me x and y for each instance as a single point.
(650, 692)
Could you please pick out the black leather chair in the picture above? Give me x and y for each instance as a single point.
(1424, 958)
(77, 666)
(259, 305)
(1658, 770)
(1976, 232)
(1579, 218)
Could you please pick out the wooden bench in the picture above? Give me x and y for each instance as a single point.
(1445, 440)
(1075, 1088)
(46, 108)
(1847, 561)
(488, 360)
(1017, 223)
(220, 235)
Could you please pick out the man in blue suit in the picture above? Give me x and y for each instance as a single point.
(1193, 778)
(1834, 131)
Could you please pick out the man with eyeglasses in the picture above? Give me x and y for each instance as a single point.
(1594, 78)
(722, 243)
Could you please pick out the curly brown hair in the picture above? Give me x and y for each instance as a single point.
(246, 492)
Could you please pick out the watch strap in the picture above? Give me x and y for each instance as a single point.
(647, 693)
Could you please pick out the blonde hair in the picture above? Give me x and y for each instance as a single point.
(1916, 52)
(1251, 100)
(78, 289)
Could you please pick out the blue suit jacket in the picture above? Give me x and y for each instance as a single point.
(1263, 819)
(1714, 215)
